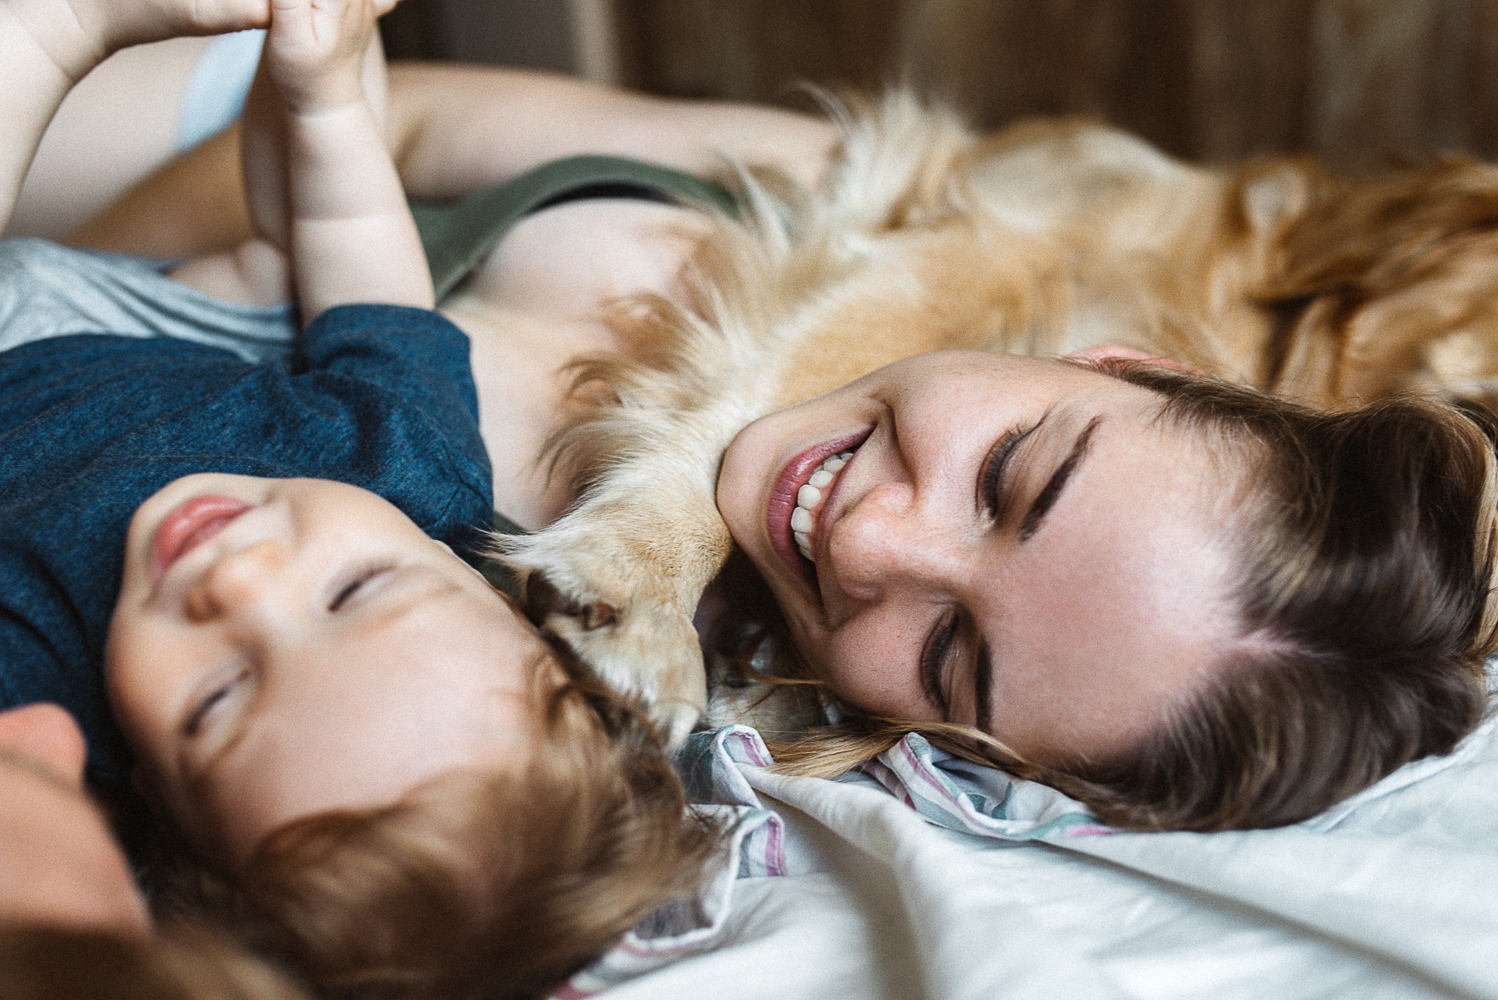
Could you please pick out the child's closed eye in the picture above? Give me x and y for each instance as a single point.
(357, 584)
(215, 697)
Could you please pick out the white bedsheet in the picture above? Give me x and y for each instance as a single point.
(1394, 894)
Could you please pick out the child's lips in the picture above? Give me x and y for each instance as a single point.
(190, 524)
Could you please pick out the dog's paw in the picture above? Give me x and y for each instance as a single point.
(644, 648)
(618, 578)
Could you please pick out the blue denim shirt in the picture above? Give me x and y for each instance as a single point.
(90, 426)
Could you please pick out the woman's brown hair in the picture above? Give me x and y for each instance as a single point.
(1366, 581)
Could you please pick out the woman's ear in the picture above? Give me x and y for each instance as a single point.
(1103, 352)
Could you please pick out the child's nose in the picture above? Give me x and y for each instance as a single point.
(238, 581)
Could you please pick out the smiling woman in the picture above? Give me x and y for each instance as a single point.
(992, 505)
(1185, 603)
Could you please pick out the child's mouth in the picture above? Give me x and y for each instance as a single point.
(189, 525)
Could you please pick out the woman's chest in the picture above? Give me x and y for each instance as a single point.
(541, 299)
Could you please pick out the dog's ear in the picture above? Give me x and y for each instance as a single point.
(1116, 352)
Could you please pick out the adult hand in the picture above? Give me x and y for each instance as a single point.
(59, 865)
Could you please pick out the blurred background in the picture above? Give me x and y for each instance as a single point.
(1362, 83)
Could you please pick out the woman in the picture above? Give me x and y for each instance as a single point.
(1267, 622)
(1181, 638)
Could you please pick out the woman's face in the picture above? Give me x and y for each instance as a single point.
(1015, 544)
(285, 647)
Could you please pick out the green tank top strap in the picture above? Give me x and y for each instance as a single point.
(457, 235)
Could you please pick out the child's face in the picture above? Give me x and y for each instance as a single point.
(285, 647)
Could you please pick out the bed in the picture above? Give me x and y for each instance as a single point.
(925, 876)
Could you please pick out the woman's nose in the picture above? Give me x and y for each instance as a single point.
(239, 581)
(888, 540)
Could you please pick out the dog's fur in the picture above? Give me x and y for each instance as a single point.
(1045, 238)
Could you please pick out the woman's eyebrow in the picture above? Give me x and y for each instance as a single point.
(1051, 492)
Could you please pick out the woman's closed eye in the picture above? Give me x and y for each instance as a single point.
(936, 658)
(994, 473)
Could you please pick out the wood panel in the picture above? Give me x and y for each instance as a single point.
(536, 33)
(1363, 83)
(755, 49)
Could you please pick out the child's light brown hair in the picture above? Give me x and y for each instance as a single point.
(176, 963)
(477, 884)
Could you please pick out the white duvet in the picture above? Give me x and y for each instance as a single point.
(930, 878)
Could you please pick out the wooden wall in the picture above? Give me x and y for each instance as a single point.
(535, 33)
(1363, 83)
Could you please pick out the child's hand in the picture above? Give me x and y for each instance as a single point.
(315, 51)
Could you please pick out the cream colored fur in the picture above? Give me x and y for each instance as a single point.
(1043, 239)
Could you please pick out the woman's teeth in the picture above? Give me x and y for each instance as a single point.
(803, 518)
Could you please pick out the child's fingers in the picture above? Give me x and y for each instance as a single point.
(160, 19)
(102, 26)
(316, 49)
(324, 26)
(312, 31)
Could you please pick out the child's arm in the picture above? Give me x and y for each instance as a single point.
(323, 194)
(350, 234)
(46, 46)
(455, 129)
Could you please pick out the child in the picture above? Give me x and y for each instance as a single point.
(257, 614)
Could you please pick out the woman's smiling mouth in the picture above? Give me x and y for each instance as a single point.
(798, 494)
(809, 498)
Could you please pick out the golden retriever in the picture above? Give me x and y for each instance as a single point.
(1045, 238)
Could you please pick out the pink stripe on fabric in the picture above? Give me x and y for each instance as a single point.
(1090, 830)
(775, 847)
(752, 750)
(927, 777)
